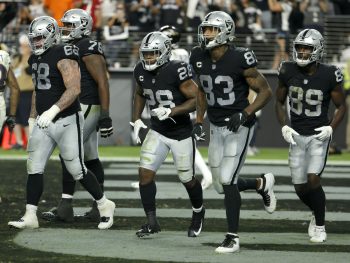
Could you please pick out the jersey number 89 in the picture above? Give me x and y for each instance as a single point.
(313, 97)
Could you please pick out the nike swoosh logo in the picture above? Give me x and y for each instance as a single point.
(65, 125)
(199, 231)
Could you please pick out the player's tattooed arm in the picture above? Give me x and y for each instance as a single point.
(15, 91)
(259, 84)
(96, 65)
(70, 72)
(338, 98)
(33, 112)
(280, 105)
(201, 105)
(189, 89)
(139, 102)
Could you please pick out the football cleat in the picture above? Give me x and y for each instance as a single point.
(148, 229)
(93, 215)
(29, 220)
(63, 212)
(312, 226)
(106, 214)
(267, 193)
(197, 223)
(229, 245)
(320, 235)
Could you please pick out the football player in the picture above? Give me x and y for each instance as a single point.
(59, 120)
(94, 101)
(225, 73)
(309, 85)
(170, 93)
(181, 54)
(7, 78)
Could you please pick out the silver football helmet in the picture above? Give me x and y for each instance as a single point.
(76, 24)
(222, 23)
(5, 59)
(313, 39)
(155, 50)
(43, 33)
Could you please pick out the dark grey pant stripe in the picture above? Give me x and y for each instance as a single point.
(194, 156)
(241, 157)
(86, 113)
(80, 142)
(325, 159)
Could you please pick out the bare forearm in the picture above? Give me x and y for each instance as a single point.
(71, 77)
(33, 112)
(139, 105)
(103, 93)
(186, 107)
(262, 98)
(280, 113)
(338, 116)
(201, 106)
(15, 91)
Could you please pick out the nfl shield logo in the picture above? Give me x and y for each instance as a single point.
(153, 81)
(305, 81)
(213, 66)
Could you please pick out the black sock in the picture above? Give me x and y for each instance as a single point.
(148, 196)
(196, 194)
(95, 166)
(233, 206)
(318, 203)
(305, 198)
(89, 182)
(35, 186)
(246, 184)
(68, 182)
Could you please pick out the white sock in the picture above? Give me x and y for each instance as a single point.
(31, 208)
(197, 210)
(232, 234)
(101, 201)
(67, 196)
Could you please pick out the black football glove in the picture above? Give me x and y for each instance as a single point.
(236, 120)
(105, 125)
(197, 132)
(11, 122)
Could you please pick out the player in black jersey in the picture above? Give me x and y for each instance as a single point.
(309, 85)
(170, 93)
(59, 122)
(7, 78)
(94, 101)
(225, 73)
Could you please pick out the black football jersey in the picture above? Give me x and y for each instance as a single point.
(309, 96)
(47, 79)
(223, 81)
(161, 88)
(89, 88)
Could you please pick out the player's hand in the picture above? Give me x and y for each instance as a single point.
(162, 113)
(105, 125)
(287, 133)
(47, 116)
(11, 122)
(138, 124)
(236, 120)
(198, 132)
(325, 133)
(31, 122)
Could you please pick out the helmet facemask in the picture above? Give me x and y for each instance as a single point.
(43, 33)
(155, 50)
